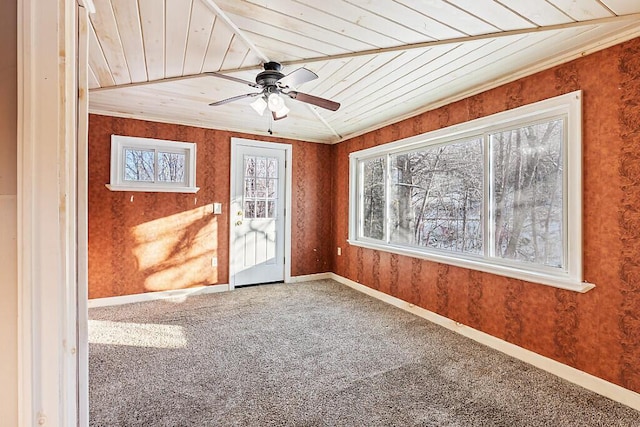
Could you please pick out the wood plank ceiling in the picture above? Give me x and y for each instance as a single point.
(382, 60)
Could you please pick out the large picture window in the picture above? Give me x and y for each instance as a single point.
(500, 194)
(145, 164)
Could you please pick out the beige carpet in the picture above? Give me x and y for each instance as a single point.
(314, 354)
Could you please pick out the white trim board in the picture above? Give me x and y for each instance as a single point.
(183, 293)
(573, 375)
(154, 296)
(310, 277)
(47, 220)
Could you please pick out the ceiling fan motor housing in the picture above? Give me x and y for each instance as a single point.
(270, 75)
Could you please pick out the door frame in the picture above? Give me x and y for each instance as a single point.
(49, 215)
(288, 149)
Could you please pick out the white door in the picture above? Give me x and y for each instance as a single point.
(258, 206)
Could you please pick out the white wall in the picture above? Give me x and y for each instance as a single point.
(8, 215)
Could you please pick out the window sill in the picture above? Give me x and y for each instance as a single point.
(152, 188)
(529, 276)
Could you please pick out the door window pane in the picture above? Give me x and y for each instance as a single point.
(249, 209)
(527, 194)
(249, 187)
(261, 186)
(272, 168)
(261, 167)
(272, 188)
(261, 209)
(249, 166)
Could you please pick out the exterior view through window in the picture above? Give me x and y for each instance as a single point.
(140, 165)
(260, 186)
(527, 196)
(500, 194)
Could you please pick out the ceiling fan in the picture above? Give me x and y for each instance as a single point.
(273, 84)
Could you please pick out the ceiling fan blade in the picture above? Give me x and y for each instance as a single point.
(297, 77)
(233, 79)
(315, 100)
(273, 114)
(235, 98)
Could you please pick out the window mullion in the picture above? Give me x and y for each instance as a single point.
(360, 196)
(155, 165)
(488, 232)
(387, 198)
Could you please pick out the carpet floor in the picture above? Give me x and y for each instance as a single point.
(313, 354)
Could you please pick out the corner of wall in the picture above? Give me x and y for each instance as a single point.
(8, 213)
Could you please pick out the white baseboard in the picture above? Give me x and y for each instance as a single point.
(310, 277)
(181, 293)
(153, 296)
(581, 378)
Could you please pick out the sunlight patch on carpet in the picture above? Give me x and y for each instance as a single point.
(136, 334)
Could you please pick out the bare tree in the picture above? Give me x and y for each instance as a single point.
(171, 167)
(139, 165)
(437, 199)
(374, 198)
(528, 193)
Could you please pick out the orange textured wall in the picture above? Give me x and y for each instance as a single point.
(142, 242)
(597, 332)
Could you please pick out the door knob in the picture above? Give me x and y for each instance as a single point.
(238, 222)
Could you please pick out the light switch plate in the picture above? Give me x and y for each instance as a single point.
(217, 208)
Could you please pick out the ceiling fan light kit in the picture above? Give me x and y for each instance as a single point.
(274, 84)
(277, 106)
(259, 105)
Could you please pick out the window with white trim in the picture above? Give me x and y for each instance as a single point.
(154, 165)
(501, 194)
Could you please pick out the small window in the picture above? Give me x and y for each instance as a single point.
(501, 194)
(154, 165)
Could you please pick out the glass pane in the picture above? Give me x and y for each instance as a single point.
(436, 197)
(249, 166)
(249, 187)
(261, 167)
(527, 193)
(373, 198)
(272, 168)
(261, 209)
(139, 165)
(249, 210)
(171, 167)
(272, 188)
(271, 209)
(261, 188)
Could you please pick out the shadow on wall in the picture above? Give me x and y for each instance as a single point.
(174, 252)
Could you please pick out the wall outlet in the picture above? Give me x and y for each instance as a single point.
(339, 251)
(214, 261)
